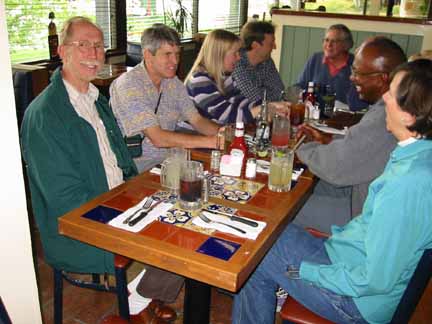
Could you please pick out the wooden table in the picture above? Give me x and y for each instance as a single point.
(174, 249)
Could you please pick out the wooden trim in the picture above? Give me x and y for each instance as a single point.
(288, 12)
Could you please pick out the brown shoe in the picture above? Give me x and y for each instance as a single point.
(162, 311)
(146, 317)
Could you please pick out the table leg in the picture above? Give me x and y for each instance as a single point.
(196, 309)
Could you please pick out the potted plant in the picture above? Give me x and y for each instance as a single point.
(179, 18)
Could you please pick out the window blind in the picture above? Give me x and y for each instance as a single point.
(27, 23)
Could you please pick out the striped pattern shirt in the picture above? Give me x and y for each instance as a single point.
(229, 107)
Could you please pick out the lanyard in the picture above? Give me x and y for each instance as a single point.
(157, 104)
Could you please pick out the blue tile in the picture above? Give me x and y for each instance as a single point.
(102, 214)
(218, 248)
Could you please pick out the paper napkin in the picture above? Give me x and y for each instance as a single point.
(251, 232)
(161, 209)
(329, 130)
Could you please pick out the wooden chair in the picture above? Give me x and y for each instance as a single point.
(114, 319)
(294, 312)
(120, 264)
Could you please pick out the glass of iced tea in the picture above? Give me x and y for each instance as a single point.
(191, 175)
(297, 115)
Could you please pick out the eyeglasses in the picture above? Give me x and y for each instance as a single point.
(84, 46)
(356, 73)
(332, 41)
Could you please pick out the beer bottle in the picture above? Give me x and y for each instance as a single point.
(52, 38)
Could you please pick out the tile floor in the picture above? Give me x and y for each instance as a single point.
(84, 306)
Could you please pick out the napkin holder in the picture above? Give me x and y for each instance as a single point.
(231, 165)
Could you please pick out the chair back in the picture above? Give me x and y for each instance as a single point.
(415, 289)
(23, 90)
(133, 54)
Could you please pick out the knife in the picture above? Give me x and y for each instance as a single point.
(143, 214)
(234, 217)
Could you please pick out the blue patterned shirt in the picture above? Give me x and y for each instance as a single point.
(134, 99)
(252, 80)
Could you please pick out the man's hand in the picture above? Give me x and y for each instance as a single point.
(313, 134)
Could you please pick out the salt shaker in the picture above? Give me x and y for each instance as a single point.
(251, 167)
(215, 160)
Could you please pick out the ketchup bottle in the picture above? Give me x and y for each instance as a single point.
(238, 146)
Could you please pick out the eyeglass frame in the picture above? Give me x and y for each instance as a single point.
(355, 73)
(85, 45)
(333, 41)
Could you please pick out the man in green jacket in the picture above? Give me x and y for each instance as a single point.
(73, 148)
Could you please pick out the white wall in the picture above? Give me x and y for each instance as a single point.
(18, 287)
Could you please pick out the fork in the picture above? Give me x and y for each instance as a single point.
(209, 221)
(147, 204)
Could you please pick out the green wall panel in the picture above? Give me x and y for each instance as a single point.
(299, 43)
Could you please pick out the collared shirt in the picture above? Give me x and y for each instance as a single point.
(333, 69)
(134, 99)
(84, 104)
(253, 80)
(408, 141)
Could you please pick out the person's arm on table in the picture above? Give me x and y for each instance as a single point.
(313, 134)
(353, 159)
(164, 138)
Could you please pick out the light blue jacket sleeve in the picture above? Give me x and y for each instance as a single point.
(391, 244)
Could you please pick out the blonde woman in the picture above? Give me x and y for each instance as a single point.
(210, 84)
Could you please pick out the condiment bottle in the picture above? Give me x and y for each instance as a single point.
(309, 100)
(238, 147)
(52, 38)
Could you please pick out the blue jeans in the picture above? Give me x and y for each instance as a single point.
(256, 301)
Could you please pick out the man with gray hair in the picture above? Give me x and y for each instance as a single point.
(332, 67)
(150, 100)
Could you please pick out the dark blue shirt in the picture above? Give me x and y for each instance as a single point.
(318, 72)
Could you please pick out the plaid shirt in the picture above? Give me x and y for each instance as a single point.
(252, 80)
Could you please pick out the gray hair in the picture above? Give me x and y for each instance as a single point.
(67, 29)
(154, 37)
(344, 30)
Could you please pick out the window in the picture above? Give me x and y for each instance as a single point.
(27, 23)
(219, 14)
(142, 14)
(201, 15)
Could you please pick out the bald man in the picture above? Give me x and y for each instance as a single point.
(347, 165)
